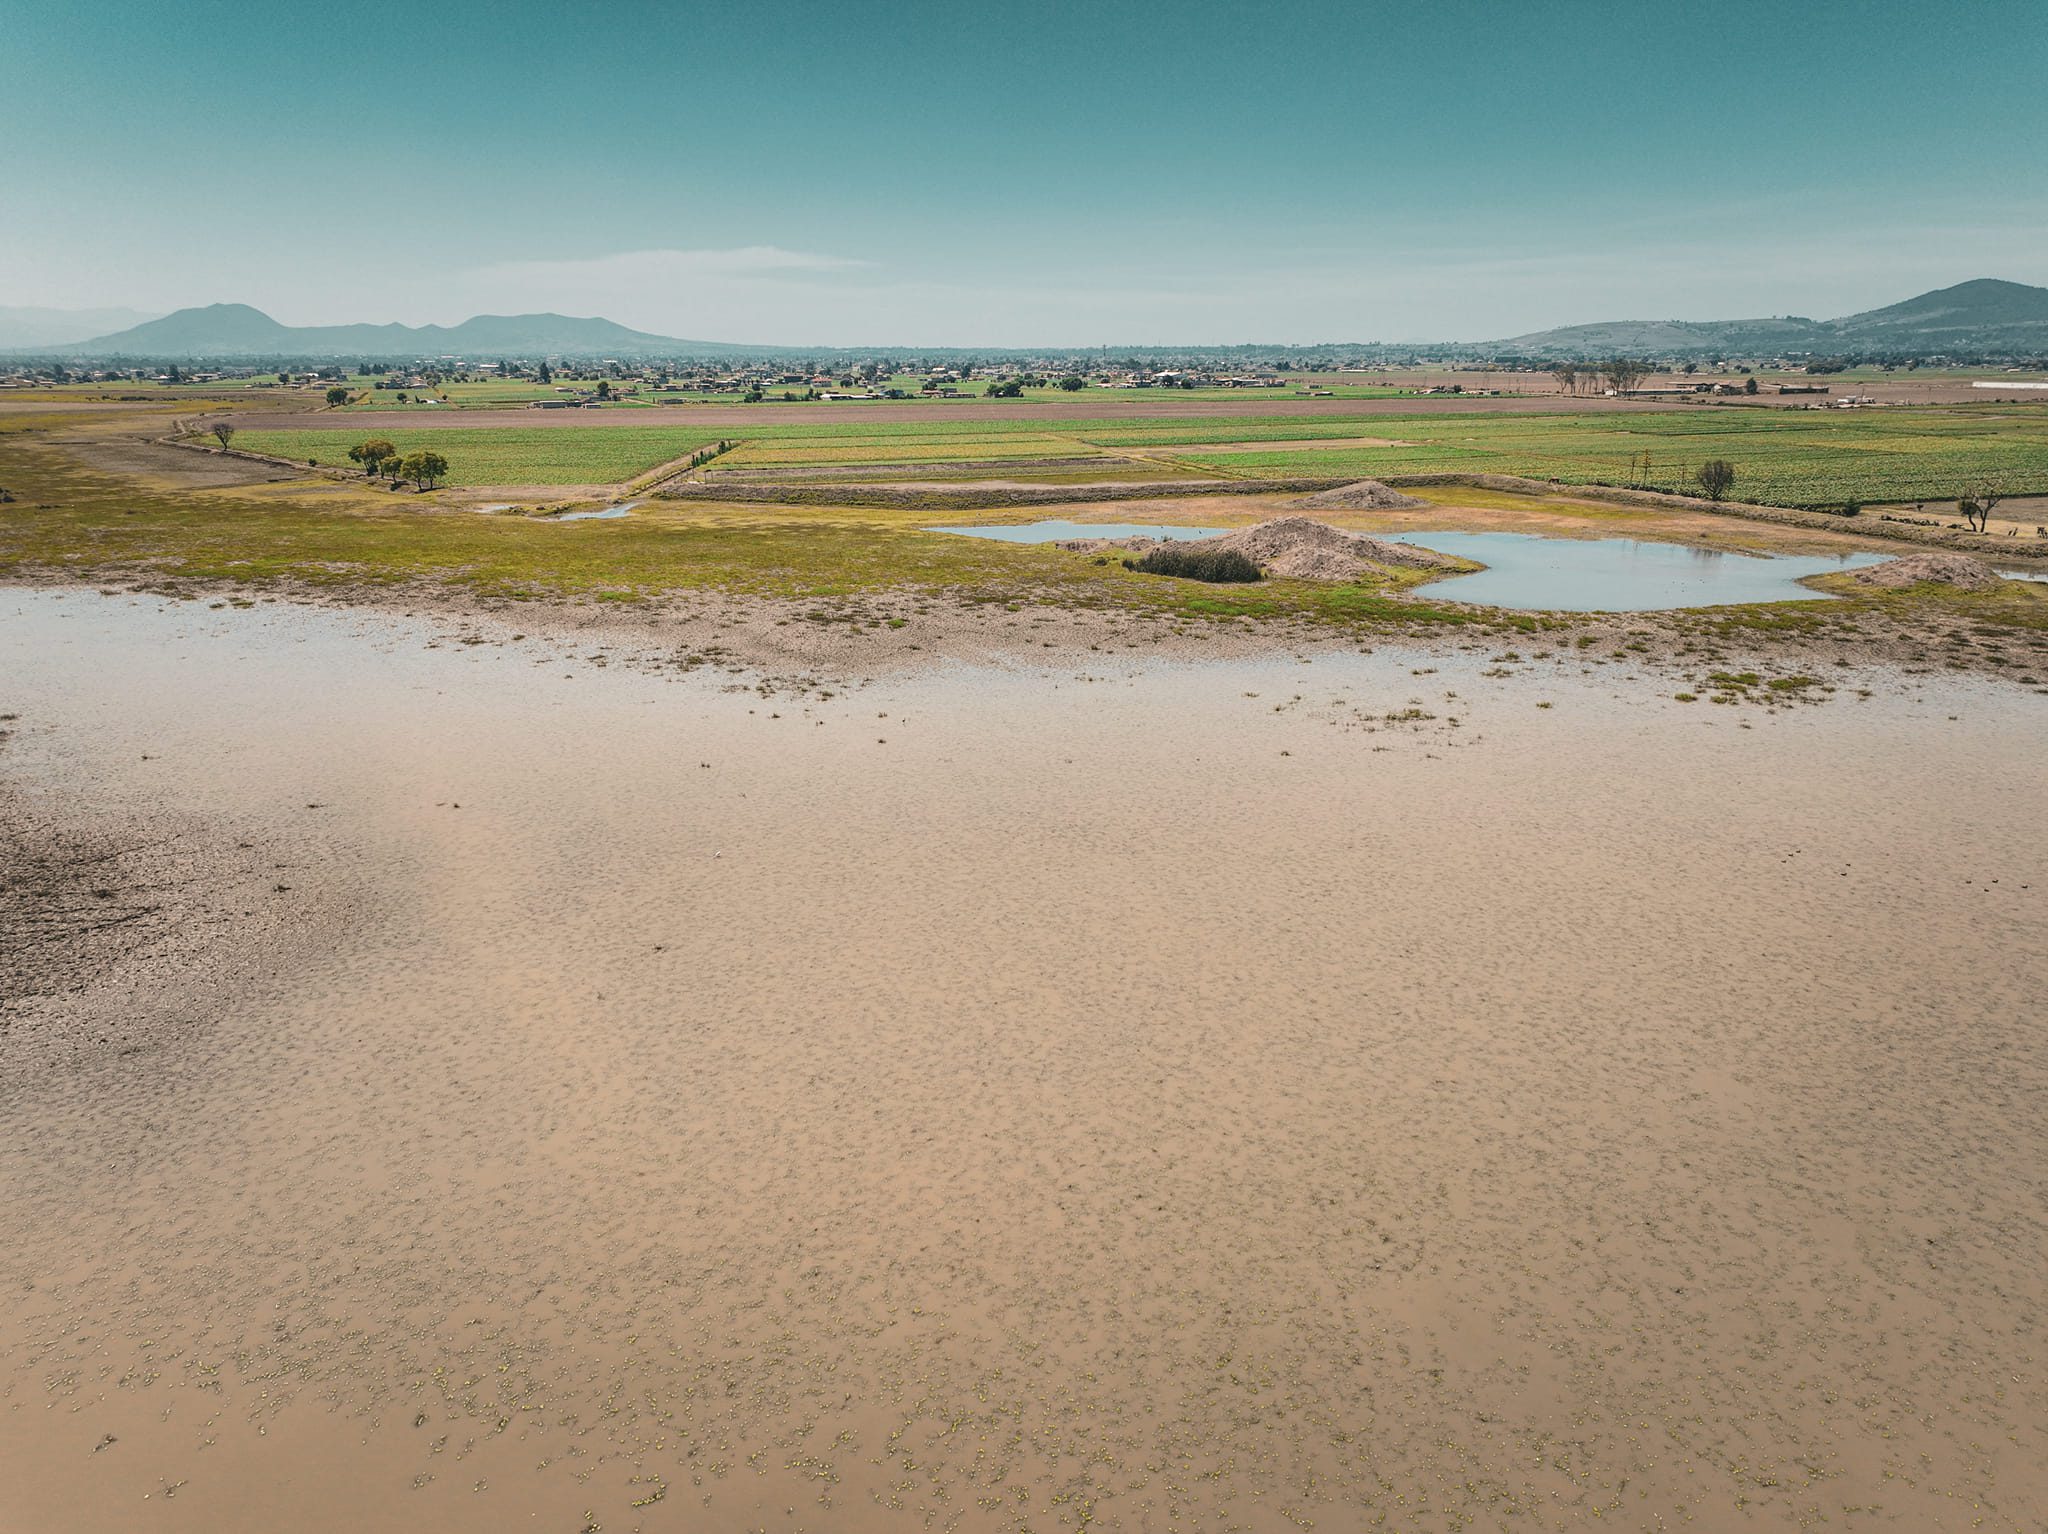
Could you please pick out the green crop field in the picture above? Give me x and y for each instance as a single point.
(809, 452)
(1781, 457)
(1246, 429)
(512, 455)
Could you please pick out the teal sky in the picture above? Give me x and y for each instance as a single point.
(993, 174)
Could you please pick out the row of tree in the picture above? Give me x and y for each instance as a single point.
(379, 457)
(1621, 374)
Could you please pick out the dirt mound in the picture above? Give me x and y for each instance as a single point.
(1303, 549)
(1958, 570)
(1366, 495)
(1295, 549)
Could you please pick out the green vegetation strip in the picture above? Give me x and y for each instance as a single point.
(533, 455)
(1781, 457)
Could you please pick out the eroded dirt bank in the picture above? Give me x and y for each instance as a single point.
(1118, 1093)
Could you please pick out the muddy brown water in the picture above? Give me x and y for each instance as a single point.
(1160, 1097)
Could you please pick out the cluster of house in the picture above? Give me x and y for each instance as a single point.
(1185, 378)
(41, 378)
(937, 382)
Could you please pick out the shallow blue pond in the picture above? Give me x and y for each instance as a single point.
(1619, 575)
(1557, 574)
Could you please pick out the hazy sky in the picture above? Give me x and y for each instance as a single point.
(981, 173)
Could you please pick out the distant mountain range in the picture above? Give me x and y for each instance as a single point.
(25, 327)
(1986, 317)
(1981, 317)
(238, 331)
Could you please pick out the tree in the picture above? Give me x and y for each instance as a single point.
(224, 432)
(336, 397)
(1749, 384)
(1567, 376)
(1623, 374)
(373, 454)
(604, 388)
(547, 374)
(1977, 507)
(424, 469)
(1716, 476)
(1073, 382)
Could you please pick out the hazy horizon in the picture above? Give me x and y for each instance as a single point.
(1019, 177)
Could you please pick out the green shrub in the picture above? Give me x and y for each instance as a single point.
(1220, 566)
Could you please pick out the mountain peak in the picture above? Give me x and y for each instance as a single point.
(238, 311)
(1980, 303)
(241, 330)
(1985, 315)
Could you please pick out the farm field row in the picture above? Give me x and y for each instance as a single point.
(874, 428)
(598, 455)
(806, 453)
(1794, 458)
(1790, 458)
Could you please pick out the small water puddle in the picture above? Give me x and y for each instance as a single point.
(1620, 575)
(602, 514)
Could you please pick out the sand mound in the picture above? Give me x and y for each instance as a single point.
(1366, 495)
(1303, 549)
(1958, 570)
(1295, 549)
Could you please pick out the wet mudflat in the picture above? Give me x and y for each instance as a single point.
(1141, 1096)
